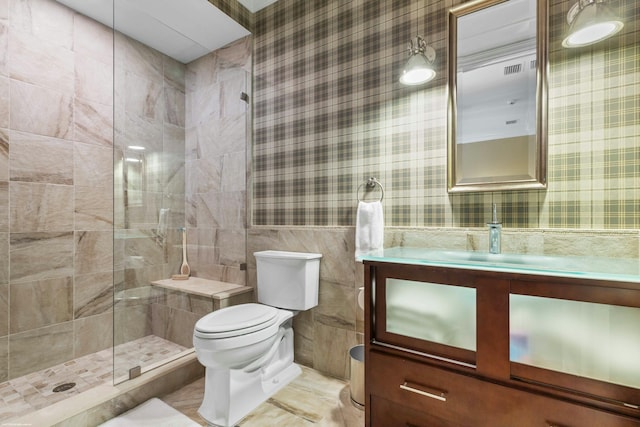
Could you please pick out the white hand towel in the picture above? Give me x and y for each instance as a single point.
(163, 223)
(369, 228)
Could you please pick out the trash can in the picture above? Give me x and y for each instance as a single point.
(356, 377)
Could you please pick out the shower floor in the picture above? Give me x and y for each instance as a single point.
(34, 391)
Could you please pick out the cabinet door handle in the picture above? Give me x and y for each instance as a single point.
(552, 424)
(432, 392)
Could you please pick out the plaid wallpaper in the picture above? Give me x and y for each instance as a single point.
(235, 10)
(329, 113)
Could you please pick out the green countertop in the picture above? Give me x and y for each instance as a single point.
(597, 268)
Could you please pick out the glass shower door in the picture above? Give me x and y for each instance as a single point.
(182, 134)
(149, 186)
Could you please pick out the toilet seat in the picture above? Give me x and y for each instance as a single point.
(235, 321)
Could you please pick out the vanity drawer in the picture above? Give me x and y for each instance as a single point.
(385, 413)
(466, 401)
(440, 393)
(547, 412)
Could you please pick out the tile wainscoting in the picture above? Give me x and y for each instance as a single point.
(324, 334)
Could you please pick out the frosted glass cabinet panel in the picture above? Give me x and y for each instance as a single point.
(439, 313)
(597, 341)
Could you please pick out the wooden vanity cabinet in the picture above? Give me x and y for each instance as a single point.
(477, 370)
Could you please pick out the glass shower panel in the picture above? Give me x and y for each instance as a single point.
(592, 340)
(181, 142)
(443, 314)
(149, 194)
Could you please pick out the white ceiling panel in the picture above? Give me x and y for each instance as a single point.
(256, 5)
(181, 29)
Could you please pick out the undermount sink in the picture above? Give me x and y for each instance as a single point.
(539, 261)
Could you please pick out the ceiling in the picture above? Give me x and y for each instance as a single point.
(182, 29)
(256, 5)
(509, 26)
(496, 72)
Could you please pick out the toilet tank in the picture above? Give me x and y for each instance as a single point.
(288, 280)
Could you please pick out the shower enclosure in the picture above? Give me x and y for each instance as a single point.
(108, 147)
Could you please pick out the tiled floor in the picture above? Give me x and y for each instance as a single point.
(143, 352)
(34, 391)
(312, 399)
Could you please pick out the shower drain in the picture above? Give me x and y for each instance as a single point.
(64, 387)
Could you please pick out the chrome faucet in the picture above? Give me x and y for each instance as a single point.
(495, 229)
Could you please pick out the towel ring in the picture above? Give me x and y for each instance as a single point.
(370, 184)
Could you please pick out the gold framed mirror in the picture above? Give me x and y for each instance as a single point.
(497, 112)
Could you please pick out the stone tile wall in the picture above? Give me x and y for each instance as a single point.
(217, 155)
(55, 186)
(324, 334)
(59, 167)
(175, 313)
(66, 184)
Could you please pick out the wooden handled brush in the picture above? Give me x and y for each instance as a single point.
(185, 270)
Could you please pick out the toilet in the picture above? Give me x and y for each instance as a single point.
(247, 349)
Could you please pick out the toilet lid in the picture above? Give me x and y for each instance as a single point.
(237, 320)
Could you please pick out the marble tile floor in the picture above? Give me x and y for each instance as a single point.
(312, 399)
(34, 391)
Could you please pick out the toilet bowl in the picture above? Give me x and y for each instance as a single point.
(234, 344)
(247, 349)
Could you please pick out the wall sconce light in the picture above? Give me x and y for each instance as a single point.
(590, 21)
(419, 68)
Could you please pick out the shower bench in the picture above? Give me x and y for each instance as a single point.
(183, 302)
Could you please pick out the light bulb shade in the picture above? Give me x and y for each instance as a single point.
(591, 23)
(417, 71)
